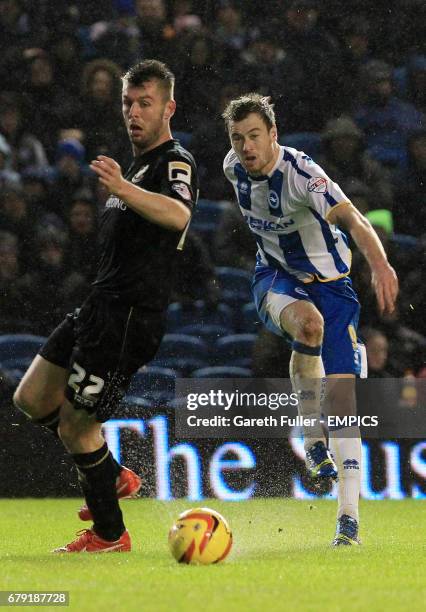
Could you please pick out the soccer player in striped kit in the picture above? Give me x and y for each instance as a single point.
(301, 284)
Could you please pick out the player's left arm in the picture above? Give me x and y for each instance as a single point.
(157, 208)
(384, 278)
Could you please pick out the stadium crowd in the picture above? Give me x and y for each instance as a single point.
(349, 87)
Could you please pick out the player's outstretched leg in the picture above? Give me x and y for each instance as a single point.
(345, 444)
(82, 437)
(305, 324)
(127, 484)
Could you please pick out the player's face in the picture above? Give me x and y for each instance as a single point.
(146, 114)
(255, 144)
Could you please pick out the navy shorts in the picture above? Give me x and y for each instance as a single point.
(342, 353)
(103, 344)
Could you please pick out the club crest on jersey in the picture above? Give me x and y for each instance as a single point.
(274, 200)
(244, 187)
(139, 174)
(318, 184)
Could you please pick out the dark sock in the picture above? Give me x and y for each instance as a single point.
(51, 421)
(97, 474)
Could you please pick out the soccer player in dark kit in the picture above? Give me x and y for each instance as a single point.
(76, 381)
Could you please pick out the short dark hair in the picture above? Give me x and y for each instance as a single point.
(241, 107)
(151, 69)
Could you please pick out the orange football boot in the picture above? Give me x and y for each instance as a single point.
(89, 541)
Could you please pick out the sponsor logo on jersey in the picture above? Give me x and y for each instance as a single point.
(139, 174)
(180, 171)
(266, 226)
(114, 202)
(274, 200)
(318, 184)
(183, 190)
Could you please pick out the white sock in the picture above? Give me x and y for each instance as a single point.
(307, 377)
(347, 455)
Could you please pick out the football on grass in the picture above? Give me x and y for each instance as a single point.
(200, 536)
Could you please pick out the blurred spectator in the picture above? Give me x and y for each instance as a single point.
(38, 191)
(50, 290)
(16, 36)
(377, 347)
(384, 118)
(66, 51)
(360, 195)
(155, 32)
(346, 160)
(70, 173)
(26, 150)
(101, 119)
(410, 213)
(416, 86)
(17, 218)
(196, 278)
(183, 16)
(234, 243)
(318, 55)
(230, 31)
(10, 294)
(82, 248)
(49, 106)
(117, 39)
(7, 175)
(209, 144)
(199, 68)
(264, 66)
(356, 32)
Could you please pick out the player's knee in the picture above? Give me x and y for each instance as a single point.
(312, 330)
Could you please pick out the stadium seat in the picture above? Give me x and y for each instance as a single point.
(308, 142)
(222, 372)
(182, 352)
(208, 333)
(249, 322)
(154, 384)
(18, 350)
(207, 217)
(235, 285)
(235, 350)
(179, 316)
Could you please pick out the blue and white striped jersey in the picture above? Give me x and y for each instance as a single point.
(287, 212)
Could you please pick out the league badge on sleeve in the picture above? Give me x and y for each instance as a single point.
(318, 184)
(183, 190)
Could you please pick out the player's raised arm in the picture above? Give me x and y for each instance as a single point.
(384, 279)
(155, 207)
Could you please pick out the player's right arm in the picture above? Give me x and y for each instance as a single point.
(164, 210)
(384, 278)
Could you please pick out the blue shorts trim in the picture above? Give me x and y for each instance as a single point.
(336, 301)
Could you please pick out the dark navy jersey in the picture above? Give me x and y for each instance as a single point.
(138, 257)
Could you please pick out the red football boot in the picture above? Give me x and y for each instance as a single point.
(89, 541)
(128, 485)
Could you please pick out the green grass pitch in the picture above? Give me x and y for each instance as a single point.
(281, 558)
